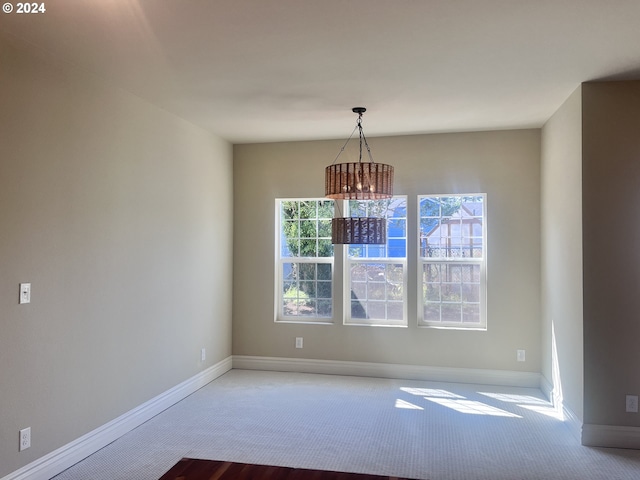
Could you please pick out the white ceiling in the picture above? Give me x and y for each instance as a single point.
(273, 70)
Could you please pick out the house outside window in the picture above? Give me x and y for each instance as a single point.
(304, 258)
(452, 261)
(376, 275)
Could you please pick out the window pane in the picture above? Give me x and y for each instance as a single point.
(303, 232)
(376, 310)
(325, 209)
(308, 209)
(309, 228)
(291, 242)
(305, 236)
(378, 286)
(455, 288)
(455, 231)
(290, 210)
(307, 271)
(308, 248)
(432, 292)
(431, 272)
(377, 292)
(430, 207)
(324, 290)
(471, 293)
(325, 248)
(324, 308)
(376, 251)
(395, 311)
(324, 271)
(324, 228)
(471, 313)
(450, 313)
(453, 273)
(359, 290)
(432, 312)
(308, 289)
(288, 289)
(302, 290)
(397, 247)
(396, 228)
(310, 308)
(474, 275)
(451, 230)
(395, 211)
(450, 293)
(357, 309)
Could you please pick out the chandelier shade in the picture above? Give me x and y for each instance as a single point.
(359, 230)
(358, 181)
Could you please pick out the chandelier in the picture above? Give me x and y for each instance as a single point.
(358, 181)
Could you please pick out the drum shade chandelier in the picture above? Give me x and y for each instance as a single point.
(358, 181)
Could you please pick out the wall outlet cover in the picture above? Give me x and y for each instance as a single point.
(25, 439)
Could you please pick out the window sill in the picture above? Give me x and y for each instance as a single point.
(454, 327)
(323, 321)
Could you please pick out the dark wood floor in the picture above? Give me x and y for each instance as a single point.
(192, 469)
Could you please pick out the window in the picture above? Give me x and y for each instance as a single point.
(452, 261)
(375, 275)
(304, 256)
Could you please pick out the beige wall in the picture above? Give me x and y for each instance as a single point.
(119, 214)
(611, 208)
(561, 233)
(503, 164)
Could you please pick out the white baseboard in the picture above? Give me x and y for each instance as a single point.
(573, 422)
(547, 388)
(569, 417)
(59, 460)
(387, 370)
(610, 436)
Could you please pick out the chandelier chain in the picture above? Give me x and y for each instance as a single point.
(345, 144)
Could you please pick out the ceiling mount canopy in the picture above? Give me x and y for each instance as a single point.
(358, 181)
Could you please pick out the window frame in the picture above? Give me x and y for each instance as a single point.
(349, 261)
(280, 261)
(461, 261)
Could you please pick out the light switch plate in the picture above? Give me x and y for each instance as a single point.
(25, 293)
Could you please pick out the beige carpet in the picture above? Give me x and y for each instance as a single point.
(410, 429)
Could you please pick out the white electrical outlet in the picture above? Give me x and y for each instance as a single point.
(203, 354)
(520, 355)
(298, 342)
(632, 403)
(25, 293)
(25, 439)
